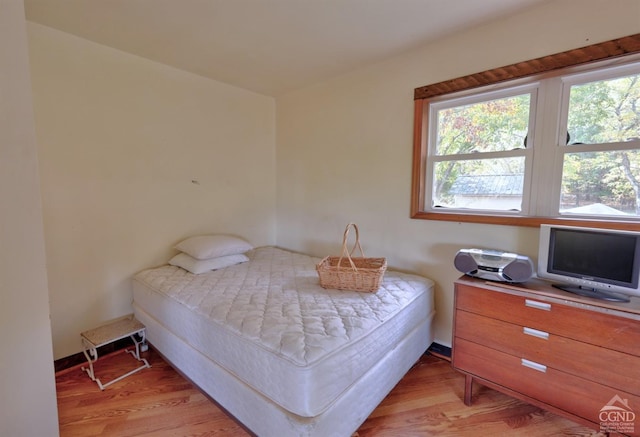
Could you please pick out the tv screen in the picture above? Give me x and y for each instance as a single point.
(597, 263)
(593, 254)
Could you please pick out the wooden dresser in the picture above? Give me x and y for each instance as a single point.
(574, 356)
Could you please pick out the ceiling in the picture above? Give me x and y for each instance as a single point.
(267, 46)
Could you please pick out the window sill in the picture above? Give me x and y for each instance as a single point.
(508, 220)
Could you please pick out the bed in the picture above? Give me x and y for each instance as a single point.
(281, 354)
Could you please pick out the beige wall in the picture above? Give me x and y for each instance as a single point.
(135, 156)
(344, 146)
(27, 389)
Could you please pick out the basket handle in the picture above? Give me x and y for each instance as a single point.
(345, 251)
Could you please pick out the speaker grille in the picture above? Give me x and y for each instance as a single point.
(465, 263)
(518, 270)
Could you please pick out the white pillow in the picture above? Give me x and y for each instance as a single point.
(197, 266)
(213, 246)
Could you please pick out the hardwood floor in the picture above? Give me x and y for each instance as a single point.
(158, 402)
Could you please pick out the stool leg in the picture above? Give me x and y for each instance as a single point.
(91, 354)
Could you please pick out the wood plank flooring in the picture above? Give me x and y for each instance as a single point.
(159, 402)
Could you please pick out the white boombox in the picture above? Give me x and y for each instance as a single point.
(494, 265)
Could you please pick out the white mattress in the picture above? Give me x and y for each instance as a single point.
(269, 323)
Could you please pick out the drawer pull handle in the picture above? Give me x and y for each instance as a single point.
(537, 305)
(533, 365)
(535, 333)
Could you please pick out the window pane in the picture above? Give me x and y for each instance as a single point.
(606, 111)
(600, 183)
(490, 184)
(491, 126)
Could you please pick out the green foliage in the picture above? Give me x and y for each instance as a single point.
(604, 112)
(496, 125)
(492, 126)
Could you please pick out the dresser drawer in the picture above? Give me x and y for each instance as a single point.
(608, 367)
(613, 332)
(556, 388)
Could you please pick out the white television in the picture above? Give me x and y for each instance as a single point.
(592, 262)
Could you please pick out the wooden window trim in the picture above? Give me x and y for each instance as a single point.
(597, 52)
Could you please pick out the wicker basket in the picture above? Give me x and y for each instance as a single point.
(346, 272)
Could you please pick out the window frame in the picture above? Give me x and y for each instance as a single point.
(547, 66)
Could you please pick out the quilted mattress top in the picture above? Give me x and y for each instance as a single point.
(276, 301)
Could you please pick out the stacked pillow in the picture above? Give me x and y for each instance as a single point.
(203, 253)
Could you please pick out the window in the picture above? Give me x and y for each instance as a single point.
(557, 146)
(477, 152)
(601, 159)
